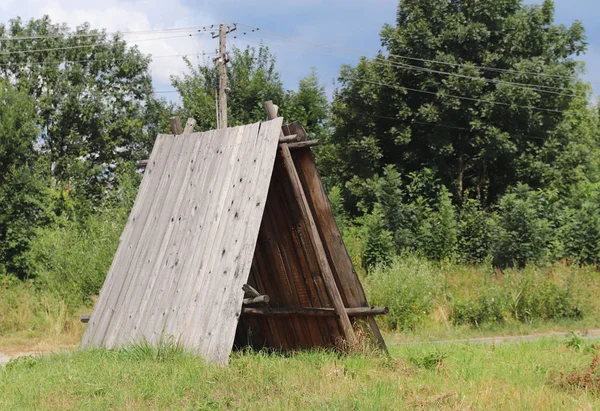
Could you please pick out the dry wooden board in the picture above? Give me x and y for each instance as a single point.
(188, 244)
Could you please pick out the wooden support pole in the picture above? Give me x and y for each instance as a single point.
(256, 300)
(222, 76)
(289, 139)
(364, 311)
(175, 125)
(328, 278)
(189, 126)
(247, 288)
(314, 312)
(300, 195)
(271, 110)
(309, 143)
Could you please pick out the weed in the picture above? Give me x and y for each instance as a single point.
(587, 379)
(429, 359)
(25, 362)
(167, 349)
(575, 341)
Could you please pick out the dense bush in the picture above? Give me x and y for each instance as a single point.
(521, 232)
(418, 291)
(438, 239)
(378, 240)
(474, 232)
(73, 260)
(409, 286)
(523, 296)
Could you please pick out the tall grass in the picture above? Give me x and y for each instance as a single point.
(421, 293)
(71, 261)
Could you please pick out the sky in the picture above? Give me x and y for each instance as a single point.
(351, 25)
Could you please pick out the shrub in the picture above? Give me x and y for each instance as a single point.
(521, 232)
(486, 308)
(522, 296)
(409, 287)
(438, 239)
(579, 233)
(473, 233)
(73, 260)
(378, 241)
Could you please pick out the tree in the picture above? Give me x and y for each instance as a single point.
(22, 190)
(252, 79)
(308, 105)
(518, 76)
(91, 92)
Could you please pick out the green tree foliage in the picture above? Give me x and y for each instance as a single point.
(378, 240)
(473, 232)
(523, 230)
(517, 125)
(22, 192)
(91, 92)
(308, 105)
(439, 232)
(252, 80)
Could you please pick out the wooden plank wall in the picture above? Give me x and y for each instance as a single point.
(285, 265)
(189, 242)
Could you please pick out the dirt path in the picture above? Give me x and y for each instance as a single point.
(4, 358)
(509, 338)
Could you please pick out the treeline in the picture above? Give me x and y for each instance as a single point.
(470, 137)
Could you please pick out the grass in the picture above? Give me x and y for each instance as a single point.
(446, 300)
(550, 373)
(451, 376)
(34, 320)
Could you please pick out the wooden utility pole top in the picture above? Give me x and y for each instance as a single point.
(222, 76)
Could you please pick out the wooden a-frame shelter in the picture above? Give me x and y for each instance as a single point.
(232, 241)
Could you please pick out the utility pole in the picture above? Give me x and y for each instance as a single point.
(222, 61)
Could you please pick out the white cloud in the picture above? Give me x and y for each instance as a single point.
(124, 16)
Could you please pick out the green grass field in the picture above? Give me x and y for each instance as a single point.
(450, 376)
(552, 373)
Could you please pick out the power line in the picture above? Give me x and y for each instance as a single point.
(46, 63)
(438, 94)
(533, 87)
(100, 34)
(441, 125)
(4, 53)
(378, 60)
(298, 39)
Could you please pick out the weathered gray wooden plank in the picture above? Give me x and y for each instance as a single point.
(117, 276)
(222, 251)
(159, 272)
(245, 233)
(205, 195)
(182, 247)
(202, 214)
(148, 246)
